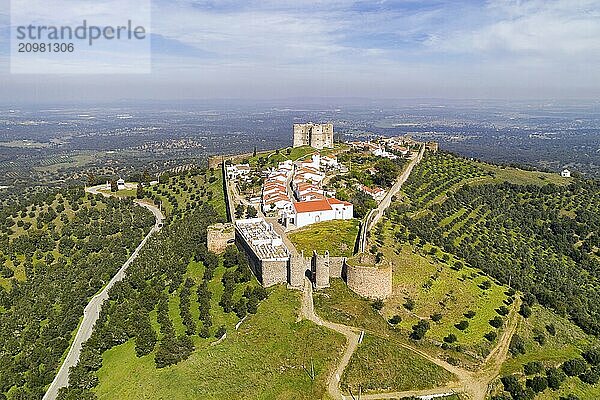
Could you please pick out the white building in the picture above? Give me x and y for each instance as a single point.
(329, 162)
(121, 184)
(236, 171)
(313, 162)
(376, 193)
(276, 201)
(565, 173)
(310, 212)
(379, 152)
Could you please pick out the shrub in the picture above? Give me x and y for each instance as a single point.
(470, 314)
(592, 356)
(517, 345)
(450, 338)
(511, 384)
(532, 368)
(502, 310)
(395, 320)
(419, 330)
(590, 376)
(485, 285)
(574, 367)
(377, 304)
(551, 329)
(491, 336)
(539, 337)
(437, 317)
(462, 325)
(537, 383)
(555, 377)
(525, 311)
(458, 265)
(496, 322)
(410, 304)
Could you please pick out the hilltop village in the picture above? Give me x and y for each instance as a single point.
(274, 195)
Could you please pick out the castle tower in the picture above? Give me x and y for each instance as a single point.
(296, 270)
(301, 135)
(319, 136)
(321, 270)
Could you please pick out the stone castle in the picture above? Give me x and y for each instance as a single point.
(272, 263)
(319, 136)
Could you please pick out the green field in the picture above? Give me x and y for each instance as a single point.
(436, 288)
(339, 304)
(522, 177)
(263, 360)
(567, 343)
(337, 237)
(381, 365)
(180, 193)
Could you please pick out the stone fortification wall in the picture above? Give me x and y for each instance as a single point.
(321, 270)
(297, 269)
(219, 236)
(336, 267)
(273, 272)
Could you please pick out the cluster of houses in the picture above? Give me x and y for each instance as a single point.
(239, 171)
(275, 195)
(294, 191)
(376, 193)
(391, 148)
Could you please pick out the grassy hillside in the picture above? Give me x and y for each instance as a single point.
(550, 340)
(181, 193)
(541, 238)
(337, 237)
(440, 290)
(264, 359)
(382, 365)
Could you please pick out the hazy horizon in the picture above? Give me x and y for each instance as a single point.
(496, 49)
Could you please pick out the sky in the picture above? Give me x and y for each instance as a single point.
(280, 49)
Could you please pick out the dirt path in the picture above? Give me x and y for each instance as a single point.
(351, 334)
(377, 213)
(474, 384)
(92, 310)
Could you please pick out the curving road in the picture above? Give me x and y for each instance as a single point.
(92, 310)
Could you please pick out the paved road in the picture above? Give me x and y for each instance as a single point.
(377, 213)
(92, 310)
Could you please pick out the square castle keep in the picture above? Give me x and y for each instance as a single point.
(319, 136)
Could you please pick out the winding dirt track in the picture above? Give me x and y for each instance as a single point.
(92, 310)
(474, 384)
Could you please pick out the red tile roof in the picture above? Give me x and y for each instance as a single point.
(314, 205)
(318, 205)
(333, 200)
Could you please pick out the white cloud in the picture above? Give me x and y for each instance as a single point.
(549, 30)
